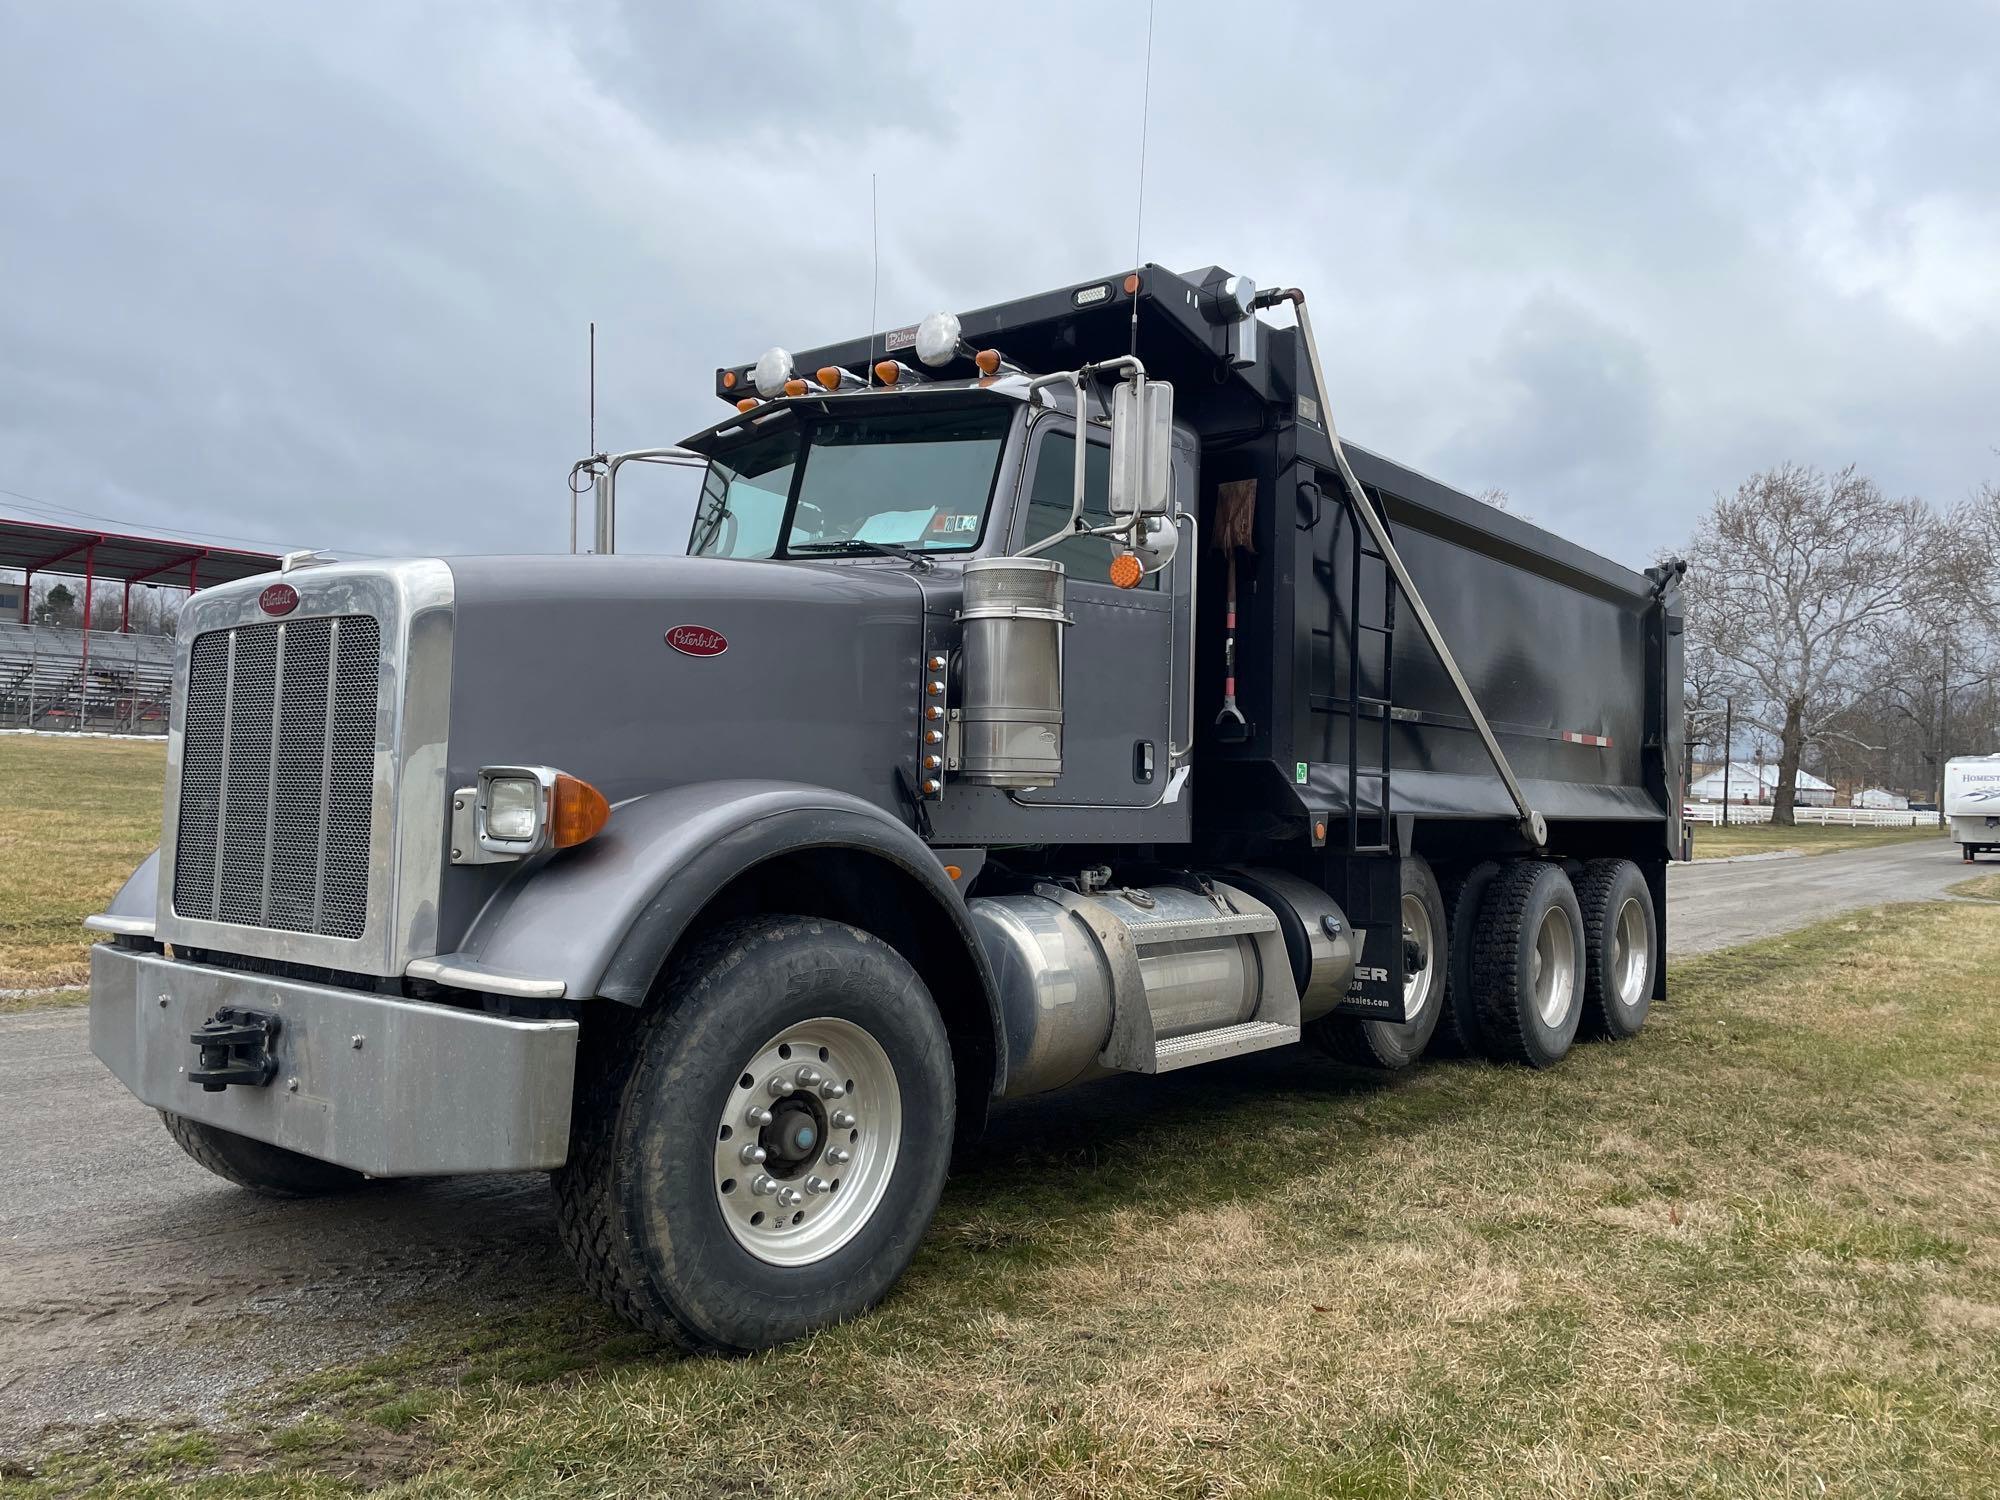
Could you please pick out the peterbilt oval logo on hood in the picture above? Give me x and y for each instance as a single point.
(697, 640)
(278, 599)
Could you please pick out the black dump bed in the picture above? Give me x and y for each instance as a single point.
(1575, 660)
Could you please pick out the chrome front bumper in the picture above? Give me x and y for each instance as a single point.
(393, 1088)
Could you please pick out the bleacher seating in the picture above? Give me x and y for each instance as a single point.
(42, 680)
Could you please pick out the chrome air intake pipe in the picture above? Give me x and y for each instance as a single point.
(1011, 712)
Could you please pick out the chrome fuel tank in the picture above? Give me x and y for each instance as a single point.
(1064, 965)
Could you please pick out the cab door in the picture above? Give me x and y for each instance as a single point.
(1120, 665)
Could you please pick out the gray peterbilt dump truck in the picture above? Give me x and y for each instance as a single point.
(957, 760)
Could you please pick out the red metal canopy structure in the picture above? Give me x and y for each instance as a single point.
(34, 547)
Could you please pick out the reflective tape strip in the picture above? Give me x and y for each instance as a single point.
(1601, 741)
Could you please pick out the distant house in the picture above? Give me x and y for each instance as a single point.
(1751, 782)
(1879, 797)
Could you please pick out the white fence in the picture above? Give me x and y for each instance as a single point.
(1817, 817)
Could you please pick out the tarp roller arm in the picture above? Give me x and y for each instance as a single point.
(1532, 824)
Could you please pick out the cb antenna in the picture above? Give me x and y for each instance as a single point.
(593, 385)
(1139, 218)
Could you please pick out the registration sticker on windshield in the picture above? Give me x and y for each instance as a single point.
(946, 523)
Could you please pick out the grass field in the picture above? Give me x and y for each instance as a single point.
(1981, 887)
(77, 816)
(1762, 838)
(1754, 1252)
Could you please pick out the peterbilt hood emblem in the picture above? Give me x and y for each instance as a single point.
(697, 640)
(278, 599)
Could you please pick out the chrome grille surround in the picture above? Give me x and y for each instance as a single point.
(306, 800)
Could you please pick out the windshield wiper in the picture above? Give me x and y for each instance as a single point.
(856, 547)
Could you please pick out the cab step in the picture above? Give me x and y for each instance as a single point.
(1224, 1041)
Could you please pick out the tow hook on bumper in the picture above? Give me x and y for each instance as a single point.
(236, 1047)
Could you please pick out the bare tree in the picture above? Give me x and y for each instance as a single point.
(1789, 581)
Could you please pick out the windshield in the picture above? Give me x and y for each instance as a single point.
(916, 480)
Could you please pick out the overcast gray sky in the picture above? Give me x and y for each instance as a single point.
(319, 275)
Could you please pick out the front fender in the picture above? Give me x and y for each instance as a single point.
(139, 897)
(604, 917)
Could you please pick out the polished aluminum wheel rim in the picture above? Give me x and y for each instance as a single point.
(1420, 982)
(807, 1141)
(1631, 954)
(1553, 967)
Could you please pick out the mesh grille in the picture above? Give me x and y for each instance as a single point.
(277, 775)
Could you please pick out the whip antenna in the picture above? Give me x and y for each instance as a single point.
(1139, 217)
(874, 276)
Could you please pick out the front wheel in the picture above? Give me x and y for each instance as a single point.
(760, 1156)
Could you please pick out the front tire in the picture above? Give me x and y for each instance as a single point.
(760, 1156)
(1527, 964)
(1390, 1045)
(262, 1168)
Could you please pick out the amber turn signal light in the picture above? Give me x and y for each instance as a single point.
(748, 403)
(988, 361)
(1126, 571)
(795, 387)
(729, 380)
(887, 371)
(830, 377)
(577, 812)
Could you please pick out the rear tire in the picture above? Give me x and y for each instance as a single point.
(1620, 947)
(1391, 1045)
(669, 1216)
(258, 1166)
(1527, 964)
(1458, 1030)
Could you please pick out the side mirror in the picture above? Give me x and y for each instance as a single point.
(1142, 448)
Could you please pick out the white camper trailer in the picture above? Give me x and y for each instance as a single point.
(1972, 802)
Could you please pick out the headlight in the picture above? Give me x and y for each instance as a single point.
(516, 811)
(513, 809)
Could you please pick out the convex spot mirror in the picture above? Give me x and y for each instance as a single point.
(1142, 447)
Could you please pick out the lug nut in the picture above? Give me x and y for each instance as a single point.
(816, 1185)
(843, 1119)
(809, 1077)
(833, 1091)
(752, 1155)
(763, 1186)
(757, 1115)
(840, 1156)
(790, 1197)
(779, 1086)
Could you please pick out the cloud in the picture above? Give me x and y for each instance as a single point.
(322, 276)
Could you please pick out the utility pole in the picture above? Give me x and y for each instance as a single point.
(1944, 712)
(1728, 752)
